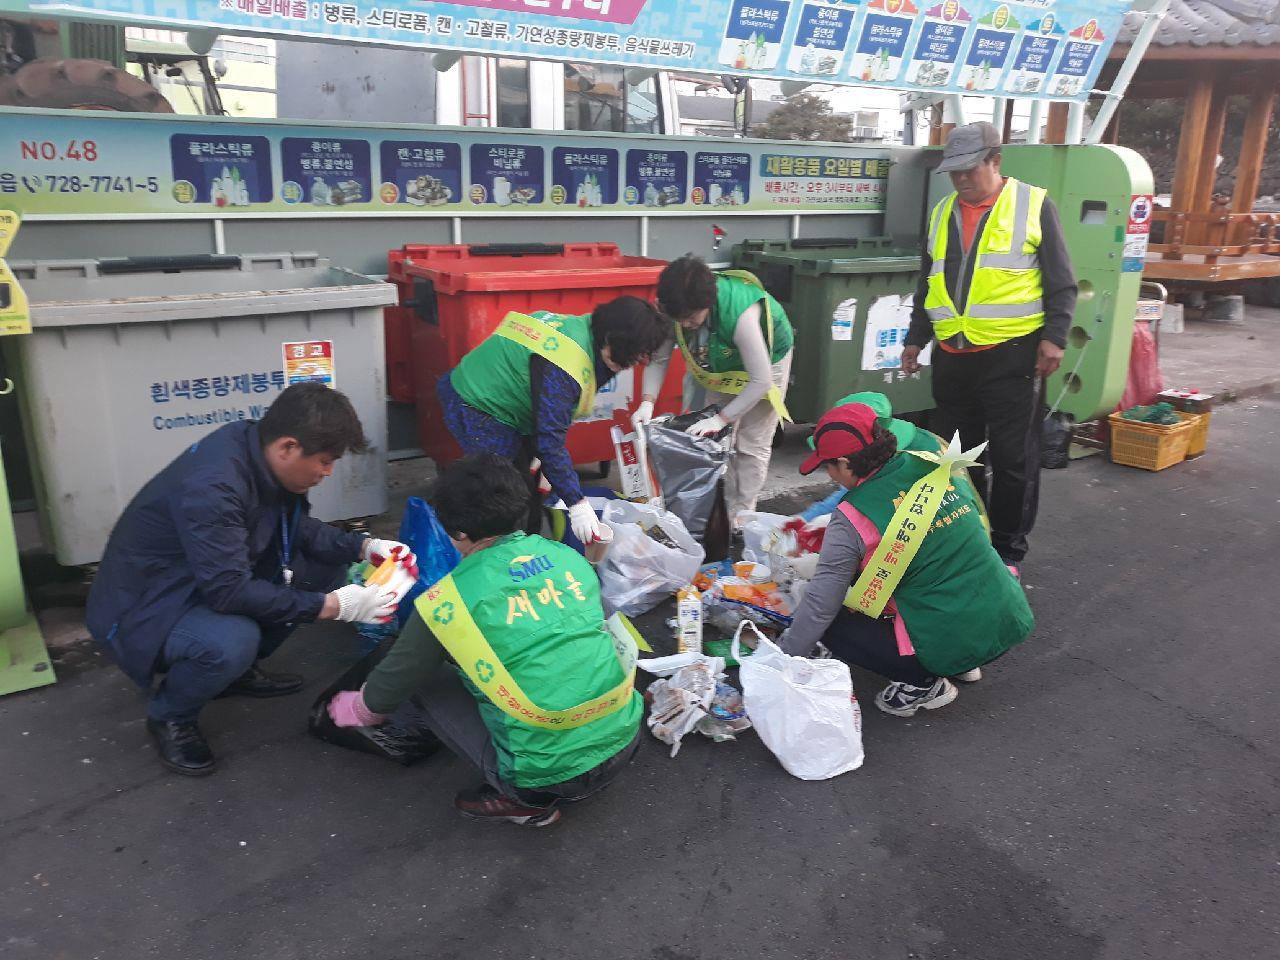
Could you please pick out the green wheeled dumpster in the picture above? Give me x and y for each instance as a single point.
(850, 303)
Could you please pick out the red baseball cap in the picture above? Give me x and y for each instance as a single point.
(841, 432)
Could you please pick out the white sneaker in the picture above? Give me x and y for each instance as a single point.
(969, 676)
(903, 700)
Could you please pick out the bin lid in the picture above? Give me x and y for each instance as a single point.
(498, 274)
(805, 262)
(153, 290)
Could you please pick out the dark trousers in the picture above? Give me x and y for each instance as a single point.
(995, 395)
(863, 642)
(205, 651)
(454, 717)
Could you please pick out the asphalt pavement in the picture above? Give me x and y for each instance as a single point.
(1108, 791)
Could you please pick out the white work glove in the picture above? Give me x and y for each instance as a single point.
(360, 604)
(586, 526)
(708, 427)
(643, 414)
(376, 551)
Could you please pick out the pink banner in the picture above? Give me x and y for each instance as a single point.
(609, 11)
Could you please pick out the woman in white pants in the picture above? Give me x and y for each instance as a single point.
(736, 341)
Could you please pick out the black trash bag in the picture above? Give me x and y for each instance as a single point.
(1055, 440)
(405, 737)
(689, 471)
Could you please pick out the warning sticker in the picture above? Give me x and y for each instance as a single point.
(309, 361)
(1138, 232)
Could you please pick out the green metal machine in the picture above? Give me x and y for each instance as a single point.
(23, 661)
(1093, 187)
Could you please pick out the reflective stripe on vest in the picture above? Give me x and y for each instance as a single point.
(538, 336)
(445, 613)
(1005, 294)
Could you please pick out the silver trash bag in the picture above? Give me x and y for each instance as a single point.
(688, 470)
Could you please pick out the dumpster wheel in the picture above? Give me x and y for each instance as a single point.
(80, 85)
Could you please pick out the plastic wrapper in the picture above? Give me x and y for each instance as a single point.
(422, 532)
(683, 696)
(405, 737)
(652, 557)
(727, 715)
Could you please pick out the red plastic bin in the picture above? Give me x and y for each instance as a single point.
(453, 296)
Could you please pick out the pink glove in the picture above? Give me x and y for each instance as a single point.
(347, 709)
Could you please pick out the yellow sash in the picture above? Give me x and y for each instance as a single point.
(906, 530)
(732, 381)
(443, 611)
(542, 338)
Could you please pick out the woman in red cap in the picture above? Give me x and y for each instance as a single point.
(908, 584)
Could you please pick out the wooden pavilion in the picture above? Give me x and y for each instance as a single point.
(1204, 52)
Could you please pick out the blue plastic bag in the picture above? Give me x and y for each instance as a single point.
(422, 532)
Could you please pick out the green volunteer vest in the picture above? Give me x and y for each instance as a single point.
(494, 376)
(733, 297)
(537, 603)
(960, 605)
(1005, 295)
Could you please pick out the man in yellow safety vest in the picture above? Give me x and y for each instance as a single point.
(997, 293)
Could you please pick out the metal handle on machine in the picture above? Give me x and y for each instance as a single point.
(514, 249)
(423, 302)
(6, 386)
(170, 264)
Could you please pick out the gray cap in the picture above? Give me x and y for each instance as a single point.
(968, 146)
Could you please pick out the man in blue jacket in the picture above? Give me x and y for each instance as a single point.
(216, 561)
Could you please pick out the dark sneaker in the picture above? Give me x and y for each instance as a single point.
(903, 700)
(486, 803)
(183, 748)
(256, 682)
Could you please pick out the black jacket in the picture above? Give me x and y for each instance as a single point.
(1057, 280)
(207, 530)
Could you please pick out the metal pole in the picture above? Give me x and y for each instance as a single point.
(1075, 123)
(1035, 121)
(997, 112)
(954, 105)
(1120, 84)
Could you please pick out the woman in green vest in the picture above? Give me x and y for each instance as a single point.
(736, 342)
(536, 696)
(517, 393)
(908, 584)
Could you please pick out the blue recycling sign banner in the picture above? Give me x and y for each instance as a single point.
(1048, 49)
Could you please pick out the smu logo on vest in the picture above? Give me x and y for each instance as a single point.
(522, 568)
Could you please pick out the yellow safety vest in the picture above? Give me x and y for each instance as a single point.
(1005, 294)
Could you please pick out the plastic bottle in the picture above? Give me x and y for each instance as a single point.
(689, 620)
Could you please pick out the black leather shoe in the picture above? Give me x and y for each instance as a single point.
(256, 682)
(183, 748)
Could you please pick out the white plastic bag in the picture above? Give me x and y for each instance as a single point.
(638, 572)
(760, 532)
(804, 710)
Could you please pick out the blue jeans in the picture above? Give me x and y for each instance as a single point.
(205, 651)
